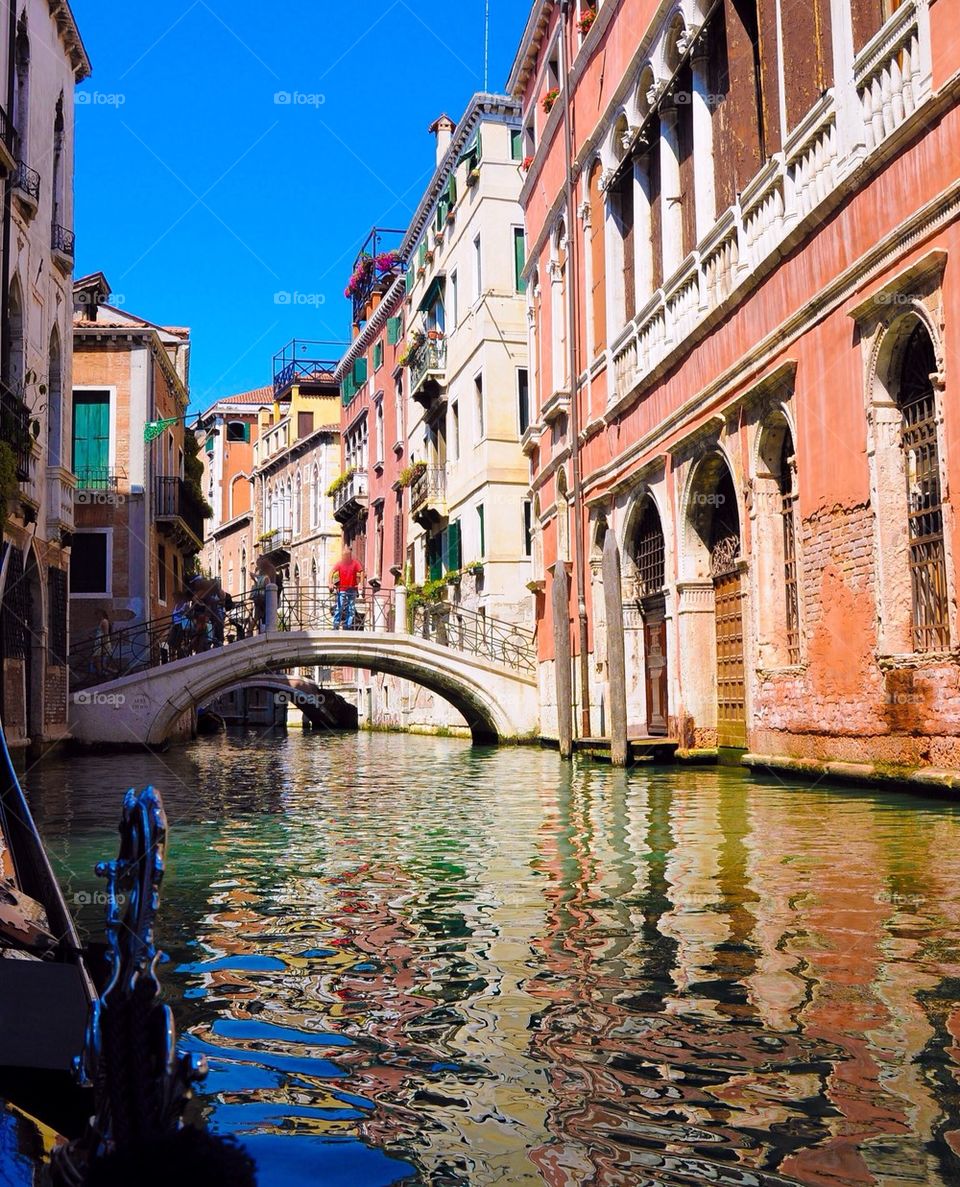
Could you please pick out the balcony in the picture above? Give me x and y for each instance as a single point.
(8, 161)
(15, 431)
(302, 361)
(60, 487)
(428, 368)
(62, 244)
(374, 271)
(26, 186)
(350, 496)
(179, 510)
(99, 478)
(428, 495)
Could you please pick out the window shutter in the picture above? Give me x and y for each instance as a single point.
(360, 371)
(483, 534)
(479, 147)
(516, 144)
(454, 551)
(393, 329)
(408, 280)
(519, 259)
(422, 254)
(452, 191)
(435, 557)
(208, 444)
(377, 355)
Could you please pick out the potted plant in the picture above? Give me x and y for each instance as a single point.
(475, 568)
(526, 163)
(414, 342)
(454, 577)
(362, 271)
(411, 473)
(341, 481)
(587, 16)
(550, 98)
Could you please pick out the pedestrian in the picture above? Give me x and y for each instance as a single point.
(102, 643)
(346, 579)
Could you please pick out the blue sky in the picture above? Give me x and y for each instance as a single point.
(202, 197)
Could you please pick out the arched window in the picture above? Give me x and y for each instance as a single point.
(15, 367)
(775, 534)
(298, 507)
(649, 552)
(598, 274)
(559, 307)
(59, 195)
(315, 512)
(916, 399)
(563, 518)
(21, 91)
(54, 402)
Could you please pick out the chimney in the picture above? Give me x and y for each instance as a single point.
(443, 128)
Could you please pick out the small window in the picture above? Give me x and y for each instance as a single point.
(481, 533)
(527, 528)
(88, 564)
(304, 424)
(161, 573)
(238, 430)
(516, 144)
(478, 396)
(519, 259)
(378, 355)
(523, 399)
(393, 330)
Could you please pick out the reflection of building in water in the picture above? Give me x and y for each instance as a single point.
(719, 1038)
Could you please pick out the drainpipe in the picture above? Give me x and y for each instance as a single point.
(7, 199)
(579, 549)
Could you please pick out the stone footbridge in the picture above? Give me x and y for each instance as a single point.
(484, 668)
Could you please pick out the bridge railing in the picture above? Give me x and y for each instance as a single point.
(475, 634)
(136, 648)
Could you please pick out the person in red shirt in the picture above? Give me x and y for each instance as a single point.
(346, 579)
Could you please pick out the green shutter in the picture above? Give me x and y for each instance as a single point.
(91, 436)
(246, 431)
(378, 355)
(360, 372)
(479, 147)
(408, 280)
(209, 444)
(516, 144)
(422, 254)
(454, 550)
(519, 259)
(393, 329)
(452, 191)
(435, 558)
(483, 534)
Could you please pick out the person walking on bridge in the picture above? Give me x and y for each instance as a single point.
(346, 579)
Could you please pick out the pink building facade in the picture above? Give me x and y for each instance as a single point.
(742, 312)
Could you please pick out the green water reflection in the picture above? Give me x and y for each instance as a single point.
(413, 961)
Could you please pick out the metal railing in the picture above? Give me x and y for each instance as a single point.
(177, 499)
(302, 360)
(142, 646)
(99, 478)
(430, 358)
(63, 240)
(430, 485)
(475, 634)
(353, 490)
(15, 430)
(26, 181)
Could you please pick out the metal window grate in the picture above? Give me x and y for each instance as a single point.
(57, 607)
(15, 611)
(921, 455)
(788, 501)
(651, 567)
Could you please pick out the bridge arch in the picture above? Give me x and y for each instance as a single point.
(496, 702)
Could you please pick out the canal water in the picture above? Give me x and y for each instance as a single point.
(411, 961)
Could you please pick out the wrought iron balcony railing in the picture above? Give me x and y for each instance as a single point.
(62, 240)
(302, 361)
(176, 499)
(427, 368)
(428, 491)
(351, 497)
(98, 478)
(26, 181)
(15, 430)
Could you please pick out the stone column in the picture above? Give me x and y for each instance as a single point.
(616, 661)
(400, 609)
(705, 194)
(671, 210)
(270, 607)
(561, 648)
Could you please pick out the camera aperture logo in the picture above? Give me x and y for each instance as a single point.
(111, 700)
(285, 297)
(299, 99)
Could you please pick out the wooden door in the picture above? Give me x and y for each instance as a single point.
(655, 667)
(731, 695)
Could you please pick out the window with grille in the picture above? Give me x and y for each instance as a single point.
(788, 500)
(649, 558)
(921, 463)
(15, 632)
(57, 611)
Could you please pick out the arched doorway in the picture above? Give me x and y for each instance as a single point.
(714, 539)
(649, 560)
